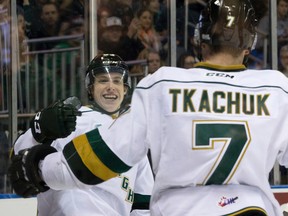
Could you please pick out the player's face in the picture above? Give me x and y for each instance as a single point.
(109, 91)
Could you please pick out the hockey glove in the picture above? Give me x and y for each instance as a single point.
(24, 171)
(56, 121)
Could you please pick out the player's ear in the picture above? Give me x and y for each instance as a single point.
(91, 92)
(205, 50)
(125, 89)
(246, 52)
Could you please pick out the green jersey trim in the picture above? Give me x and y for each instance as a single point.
(251, 210)
(209, 82)
(141, 202)
(91, 160)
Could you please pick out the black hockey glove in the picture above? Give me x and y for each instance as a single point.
(24, 171)
(56, 121)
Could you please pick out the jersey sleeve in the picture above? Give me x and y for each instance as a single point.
(143, 188)
(57, 174)
(25, 140)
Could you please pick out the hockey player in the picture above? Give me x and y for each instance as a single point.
(214, 131)
(107, 83)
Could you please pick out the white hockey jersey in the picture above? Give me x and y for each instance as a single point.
(111, 198)
(214, 132)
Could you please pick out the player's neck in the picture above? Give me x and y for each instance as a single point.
(224, 59)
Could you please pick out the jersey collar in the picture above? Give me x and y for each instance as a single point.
(230, 68)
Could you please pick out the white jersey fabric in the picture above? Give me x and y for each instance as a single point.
(214, 132)
(111, 198)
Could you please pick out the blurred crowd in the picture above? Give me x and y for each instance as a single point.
(128, 27)
(125, 27)
(264, 30)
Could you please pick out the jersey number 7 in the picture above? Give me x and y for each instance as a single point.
(234, 137)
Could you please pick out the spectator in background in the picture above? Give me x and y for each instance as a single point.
(263, 26)
(23, 47)
(159, 9)
(113, 39)
(283, 59)
(76, 27)
(113, 29)
(50, 17)
(123, 10)
(262, 12)
(68, 62)
(22, 35)
(194, 9)
(102, 14)
(47, 24)
(186, 60)
(152, 5)
(146, 34)
(154, 62)
(70, 8)
(282, 22)
(160, 18)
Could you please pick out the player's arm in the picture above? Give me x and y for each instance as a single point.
(56, 121)
(39, 168)
(101, 154)
(142, 189)
(89, 159)
(85, 161)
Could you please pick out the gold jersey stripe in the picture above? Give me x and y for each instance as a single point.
(224, 68)
(90, 159)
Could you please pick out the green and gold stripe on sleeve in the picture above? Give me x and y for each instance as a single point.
(91, 160)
